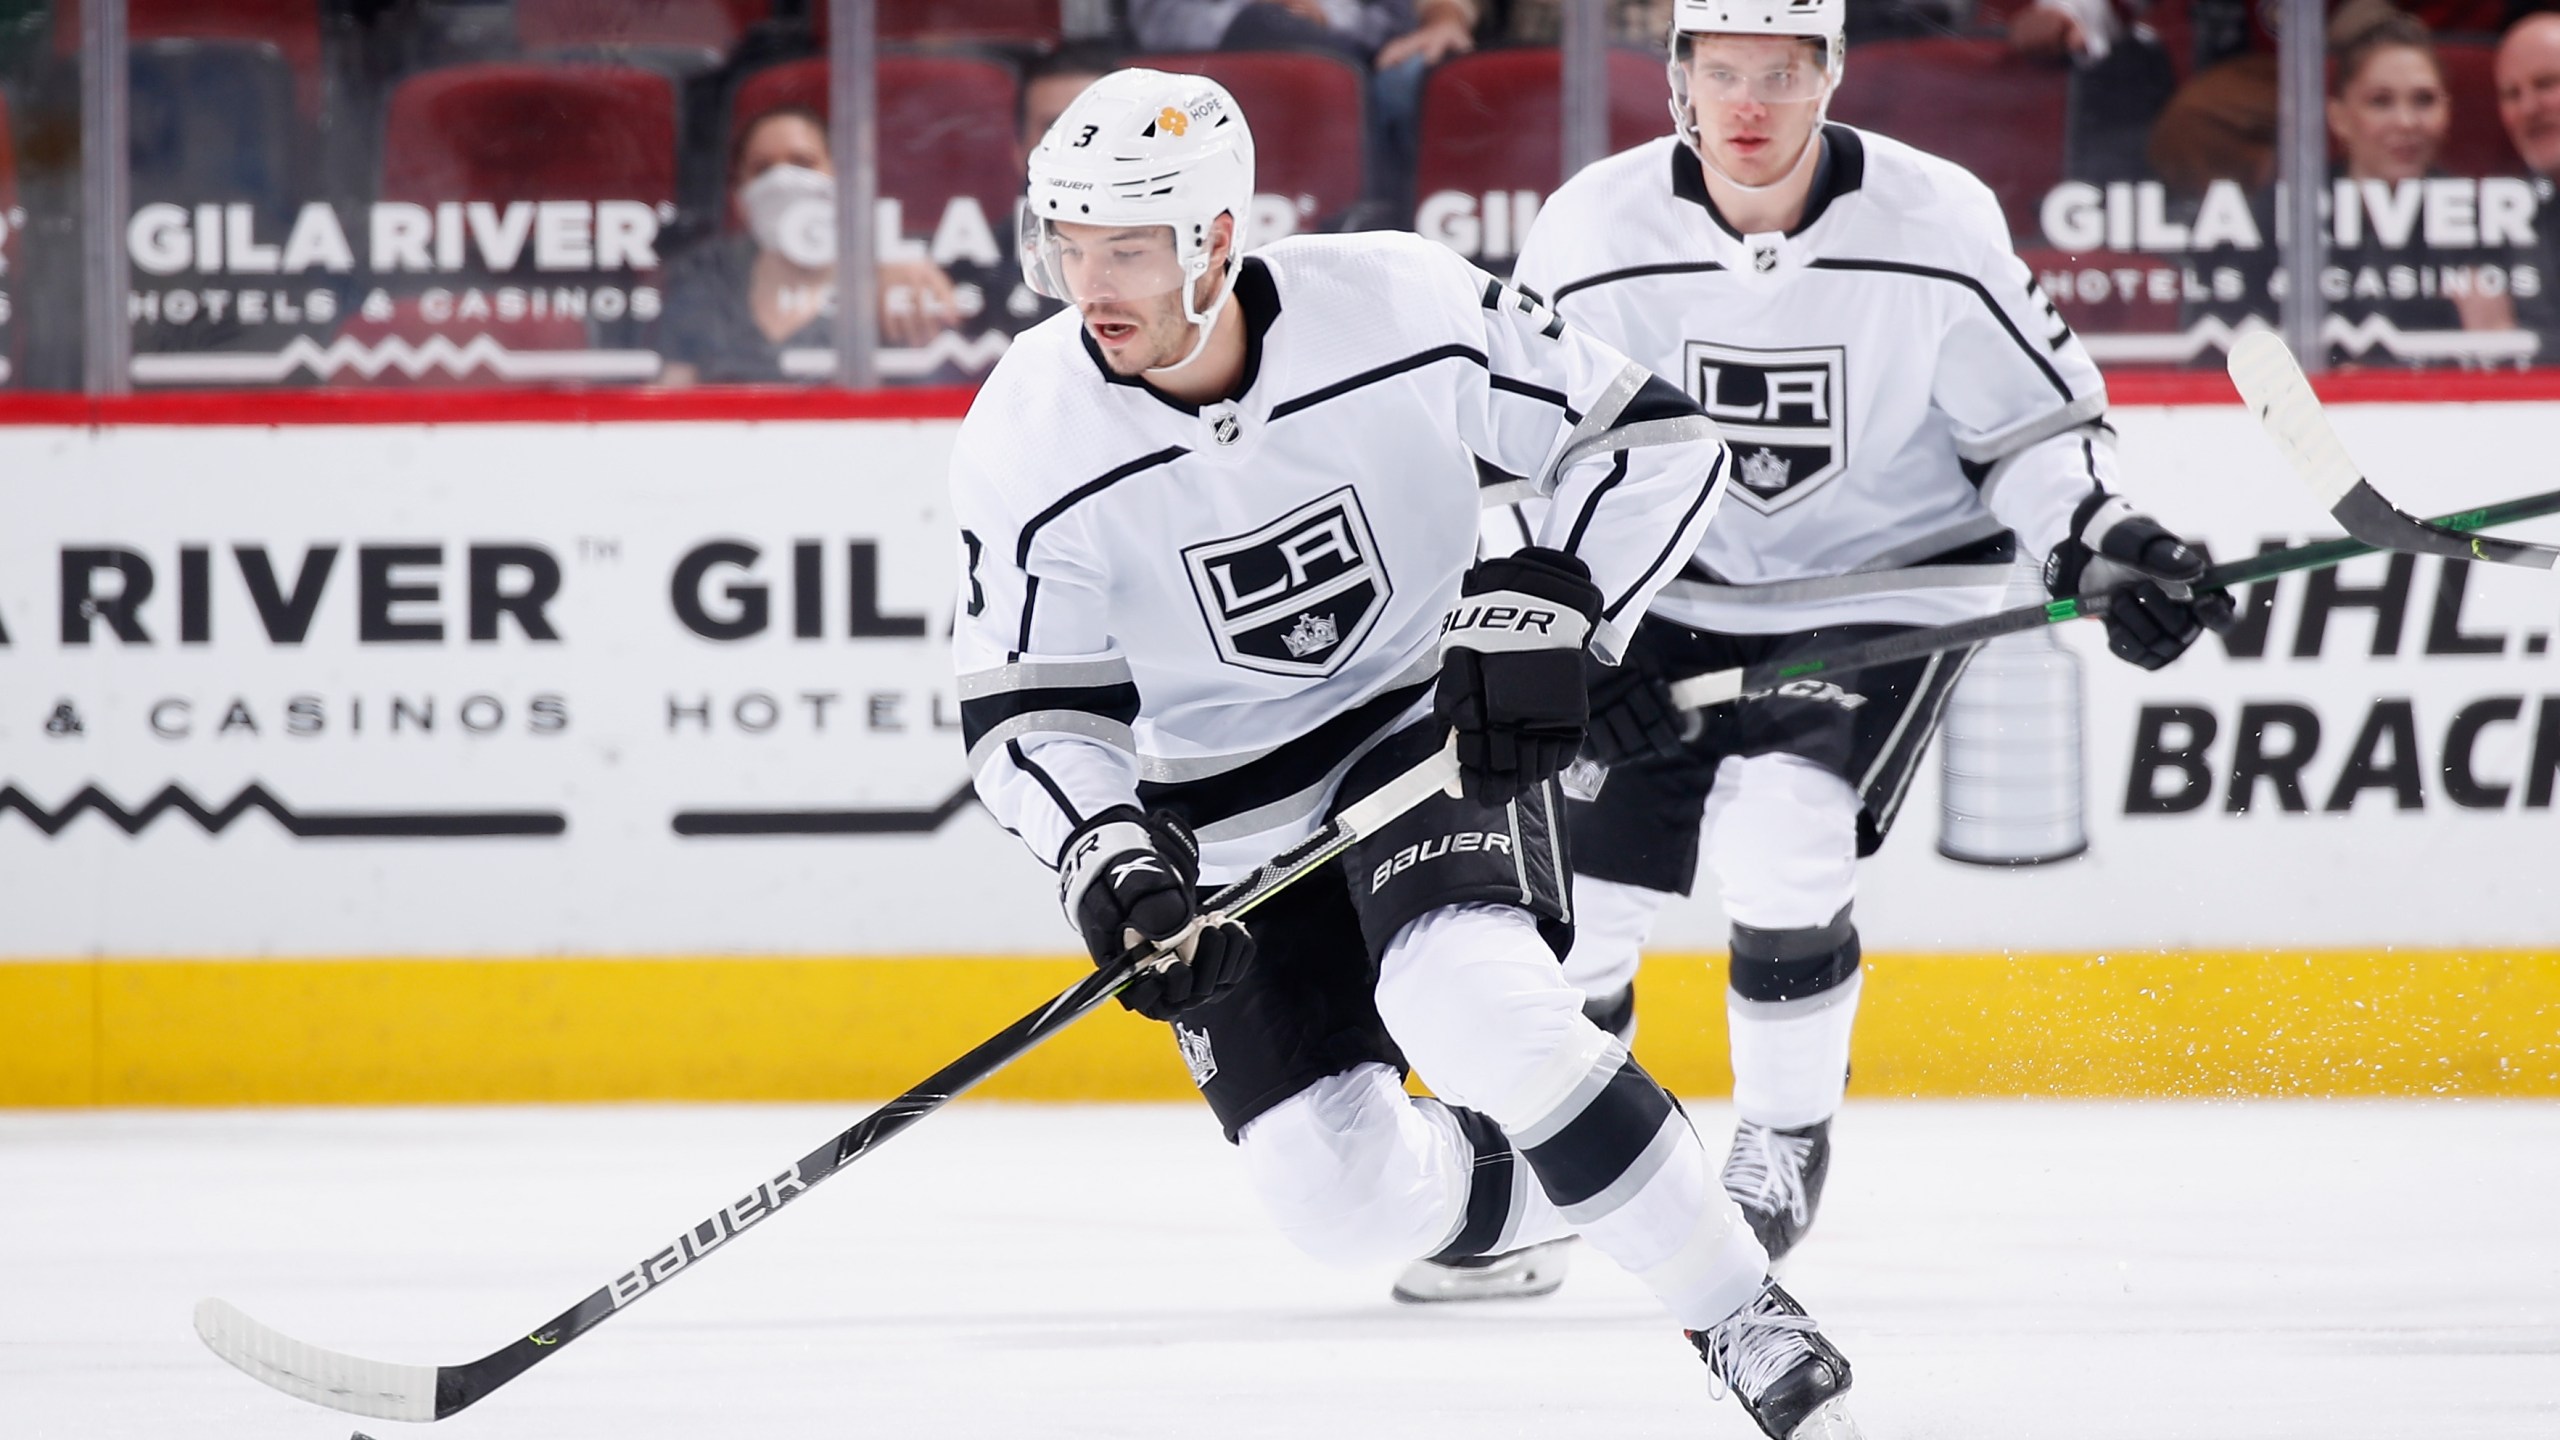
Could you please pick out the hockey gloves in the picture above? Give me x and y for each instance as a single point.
(1632, 714)
(1126, 881)
(2144, 572)
(1511, 670)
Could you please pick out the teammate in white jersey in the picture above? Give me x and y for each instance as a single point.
(1216, 520)
(1907, 414)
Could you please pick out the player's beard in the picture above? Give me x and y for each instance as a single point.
(1163, 335)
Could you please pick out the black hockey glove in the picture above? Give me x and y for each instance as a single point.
(1511, 670)
(1127, 879)
(1632, 714)
(2143, 571)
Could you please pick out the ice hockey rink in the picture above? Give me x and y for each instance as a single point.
(2289, 1270)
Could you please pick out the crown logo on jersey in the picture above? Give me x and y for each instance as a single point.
(1765, 471)
(1296, 596)
(1314, 633)
(1196, 1054)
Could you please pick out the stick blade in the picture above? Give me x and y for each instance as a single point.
(324, 1377)
(2271, 381)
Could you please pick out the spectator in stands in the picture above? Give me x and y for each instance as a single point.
(1397, 41)
(2528, 77)
(1050, 83)
(736, 303)
(2388, 113)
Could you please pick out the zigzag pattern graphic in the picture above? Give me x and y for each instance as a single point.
(923, 820)
(311, 825)
(394, 352)
(2358, 338)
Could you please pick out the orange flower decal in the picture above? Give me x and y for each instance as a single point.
(1172, 121)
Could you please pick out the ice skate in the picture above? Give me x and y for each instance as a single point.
(1776, 1177)
(1773, 1357)
(1522, 1274)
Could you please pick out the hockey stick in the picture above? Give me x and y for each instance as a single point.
(388, 1391)
(2269, 379)
(1715, 687)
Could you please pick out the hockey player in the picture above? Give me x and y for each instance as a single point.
(1218, 531)
(1907, 413)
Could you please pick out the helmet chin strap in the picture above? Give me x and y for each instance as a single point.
(1205, 322)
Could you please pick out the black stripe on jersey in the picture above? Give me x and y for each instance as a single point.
(1095, 486)
(1539, 392)
(1603, 1142)
(1636, 272)
(1111, 702)
(1022, 761)
(1582, 522)
(1388, 371)
(1489, 1186)
(1287, 770)
(1670, 547)
(1982, 291)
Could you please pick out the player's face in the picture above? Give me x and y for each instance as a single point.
(1126, 281)
(2391, 115)
(1756, 99)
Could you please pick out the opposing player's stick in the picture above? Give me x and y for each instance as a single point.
(1715, 687)
(2269, 379)
(387, 1391)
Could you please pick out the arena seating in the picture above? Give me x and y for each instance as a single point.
(1490, 120)
(1027, 23)
(291, 26)
(530, 132)
(2476, 144)
(1311, 104)
(1999, 115)
(712, 25)
(946, 128)
(212, 120)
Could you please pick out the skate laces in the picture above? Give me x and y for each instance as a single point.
(1767, 1168)
(1753, 1348)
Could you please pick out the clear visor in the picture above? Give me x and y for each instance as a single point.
(1100, 264)
(1798, 83)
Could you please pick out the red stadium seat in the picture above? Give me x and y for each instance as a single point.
(2477, 144)
(292, 26)
(713, 25)
(1997, 114)
(531, 132)
(1491, 124)
(946, 129)
(1029, 23)
(1313, 100)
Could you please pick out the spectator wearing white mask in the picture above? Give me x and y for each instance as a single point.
(736, 303)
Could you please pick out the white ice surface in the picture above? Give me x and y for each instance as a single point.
(2143, 1272)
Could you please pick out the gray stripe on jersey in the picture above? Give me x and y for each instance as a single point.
(1676, 430)
(1666, 1142)
(1606, 407)
(1044, 675)
(1051, 722)
(2044, 427)
(1604, 1068)
(1183, 769)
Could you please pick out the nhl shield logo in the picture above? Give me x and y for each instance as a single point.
(1784, 412)
(1297, 596)
(1224, 425)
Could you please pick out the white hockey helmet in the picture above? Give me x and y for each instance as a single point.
(1142, 148)
(1823, 20)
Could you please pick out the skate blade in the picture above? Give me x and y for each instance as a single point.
(1540, 1272)
(1829, 1421)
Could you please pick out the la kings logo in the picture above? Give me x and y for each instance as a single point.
(1782, 411)
(1297, 596)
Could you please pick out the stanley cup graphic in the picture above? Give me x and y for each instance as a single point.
(2010, 756)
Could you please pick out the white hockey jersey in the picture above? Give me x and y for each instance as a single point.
(1895, 389)
(1218, 609)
